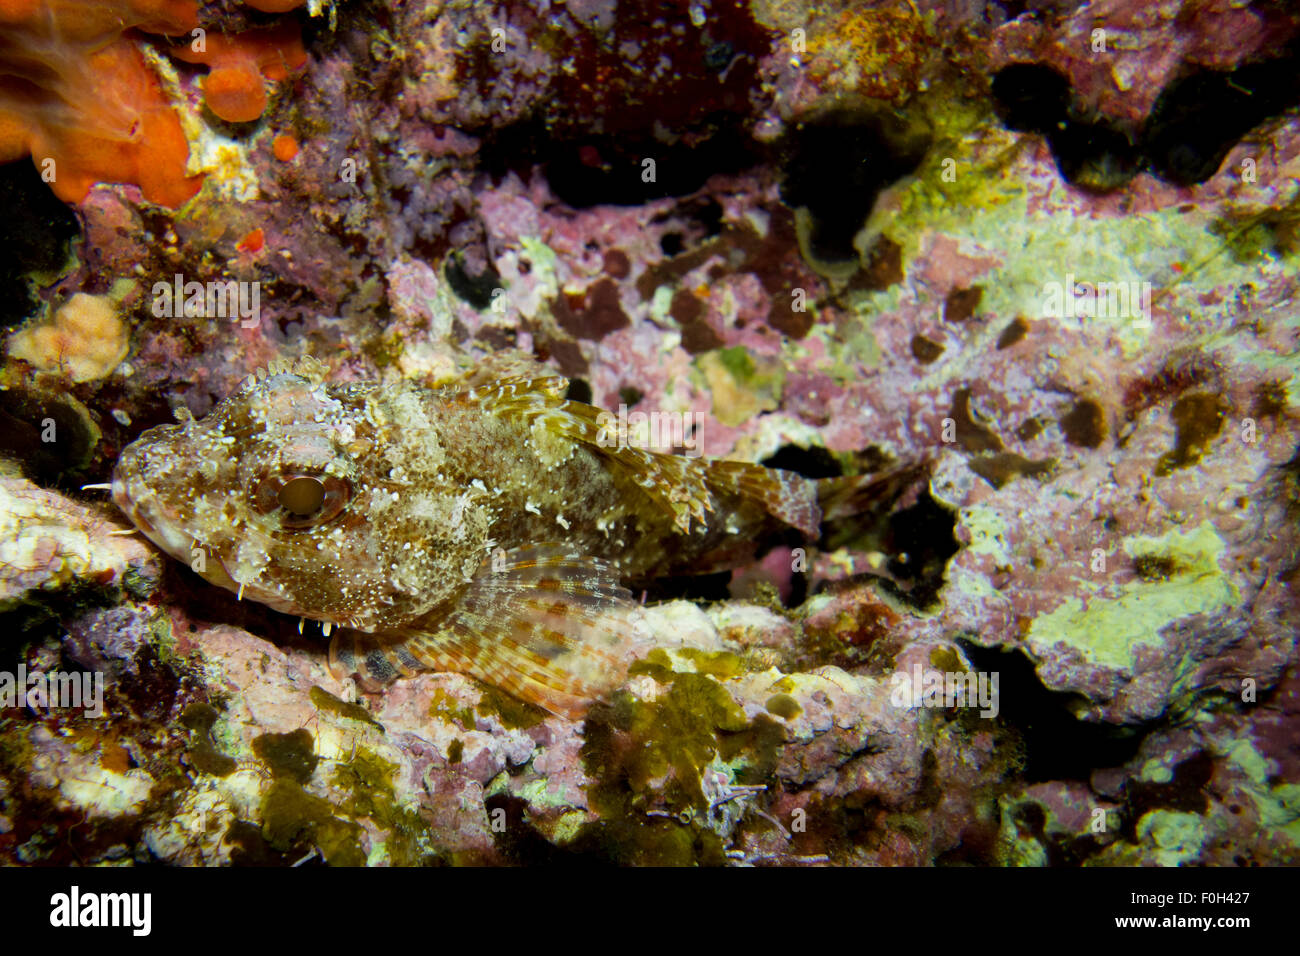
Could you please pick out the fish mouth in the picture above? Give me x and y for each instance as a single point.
(126, 504)
(142, 506)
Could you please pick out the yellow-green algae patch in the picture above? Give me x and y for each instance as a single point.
(784, 706)
(1278, 804)
(1107, 630)
(203, 754)
(493, 704)
(1017, 848)
(1178, 837)
(369, 781)
(539, 794)
(294, 819)
(513, 713)
(291, 816)
(850, 347)
(1279, 809)
(325, 701)
(290, 756)
(987, 204)
(680, 732)
(641, 754)
(544, 282)
(567, 828)
(161, 638)
(443, 706)
(720, 664)
(972, 583)
(742, 385)
(988, 532)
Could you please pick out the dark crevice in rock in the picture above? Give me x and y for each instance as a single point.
(34, 232)
(920, 541)
(687, 587)
(1195, 122)
(837, 164)
(814, 462)
(579, 390)
(474, 288)
(1057, 745)
(630, 169)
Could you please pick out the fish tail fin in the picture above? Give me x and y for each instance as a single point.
(547, 624)
(867, 494)
(785, 495)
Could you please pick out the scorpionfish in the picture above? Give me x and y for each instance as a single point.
(486, 526)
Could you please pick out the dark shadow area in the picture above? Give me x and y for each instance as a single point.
(34, 232)
(1057, 745)
(475, 289)
(1200, 118)
(920, 541)
(1195, 123)
(837, 164)
(815, 462)
(629, 169)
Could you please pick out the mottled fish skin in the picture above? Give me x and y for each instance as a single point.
(481, 528)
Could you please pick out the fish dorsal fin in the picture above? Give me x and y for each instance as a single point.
(674, 483)
(521, 392)
(549, 625)
(683, 487)
(686, 487)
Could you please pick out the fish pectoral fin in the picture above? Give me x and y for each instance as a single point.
(377, 659)
(549, 625)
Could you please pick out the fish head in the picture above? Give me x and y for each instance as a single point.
(324, 502)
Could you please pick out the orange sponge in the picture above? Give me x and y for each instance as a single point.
(233, 88)
(76, 21)
(284, 147)
(77, 94)
(79, 97)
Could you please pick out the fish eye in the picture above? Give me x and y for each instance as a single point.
(302, 496)
(302, 501)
